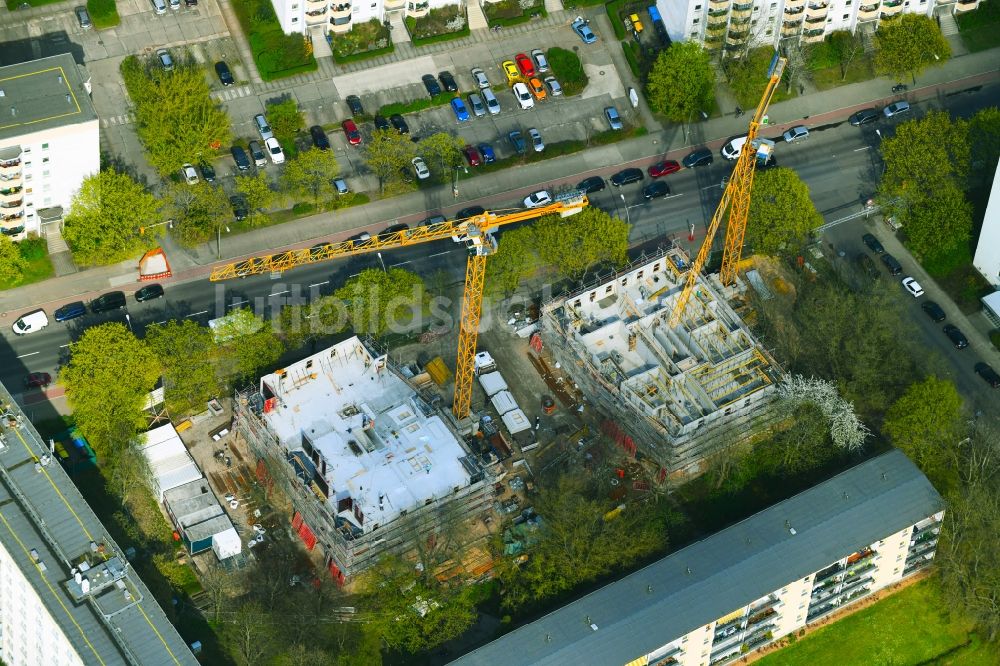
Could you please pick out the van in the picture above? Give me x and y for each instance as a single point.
(113, 300)
(257, 154)
(732, 149)
(31, 323)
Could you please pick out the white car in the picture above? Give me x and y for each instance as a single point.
(913, 287)
(190, 175)
(421, 168)
(274, 150)
(523, 95)
(479, 76)
(539, 198)
(797, 133)
(536, 140)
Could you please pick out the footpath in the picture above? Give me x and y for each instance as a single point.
(960, 74)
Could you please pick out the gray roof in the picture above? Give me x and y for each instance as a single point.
(724, 572)
(41, 94)
(47, 529)
(195, 507)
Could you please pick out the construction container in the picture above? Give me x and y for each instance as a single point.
(438, 371)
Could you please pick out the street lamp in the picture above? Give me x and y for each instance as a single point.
(381, 262)
(218, 238)
(628, 217)
(128, 320)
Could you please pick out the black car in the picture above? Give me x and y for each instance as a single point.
(933, 311)
(448, 81)
(399, 123)
(319, 138)
(207, 172)
(431, 84)
(471, 211)
(873, 244)
(591, 185)
(251, 266)
(895, 268)
(319, 249)
(863, 117)
(240, 157)
(390, 230)
(381, 123)
(956, 336)
(70, 311)
(988, 374)
(148, 293)
(225, 76)
(626, 176)
(354, 104)
(113, 300)
(434, 219)
(240, 207)
(700, 157)
(656, 190)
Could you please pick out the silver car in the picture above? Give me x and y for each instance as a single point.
(492, 103)
(536, 140)
(479, 76)
(260, 122)
(797, 133)
(553, 85)
(476, 102)
(541, 64)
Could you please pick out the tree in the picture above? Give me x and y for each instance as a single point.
(575, 244)
(846, 46)
(984, 139)
(107, 378)
(380, 301)
(748, 75)
(198, 211)
(105, 218)
(925, 423)
(12, 264)
(259, 196)
(782, 215)
(681, 82)
(250, 633)
(846, 429)
(311, 174)
(286, 120)
(908, 45)
(248, 344)
(127, 470)
(938, 223)
(299, 324)
(444, 150)
(387, 154)
(186, 353)
(175, 117)
(516, 258)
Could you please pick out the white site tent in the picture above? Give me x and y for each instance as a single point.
(169, 460)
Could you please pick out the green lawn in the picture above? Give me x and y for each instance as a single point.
(980, 30)
(34, 251)
(909, 627)
(14, 4)
(831, 77)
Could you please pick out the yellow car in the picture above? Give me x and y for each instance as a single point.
(537, 89)
(636, 23)
(510, 70)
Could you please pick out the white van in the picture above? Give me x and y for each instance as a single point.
(731, 151)
(31, 322)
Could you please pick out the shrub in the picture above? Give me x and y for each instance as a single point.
(103, 13)
(614, 9)
(440, 25)
(303, 207)
(513, 12)
(632, 58)
(277, 55)
(568, 69)
(416, 104)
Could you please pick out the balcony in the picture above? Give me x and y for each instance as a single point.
(716, 24)
(794, 6)
(921, 549)
(745, 7)
(831, 570)
(791, 30)
(716, 5)
(796, 13)
(739, 20)
(868, 14)
(966, 6)
(737, 38)
(933, 526)
(11, 191)
(816, 10)
(854, 582)
(14, 203)
(393, 4)
(12, 216)
(740, 13)
(341, 10)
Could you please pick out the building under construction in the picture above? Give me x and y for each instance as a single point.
(368, 464)
(675, 394)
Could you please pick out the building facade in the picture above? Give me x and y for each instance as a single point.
(732, 26)
(987, 257)
(49, 142)
(338, 16)
(741, 589)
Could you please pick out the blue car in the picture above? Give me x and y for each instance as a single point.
(458, 106)
(487, 152)
(70, 311)
(582, 27)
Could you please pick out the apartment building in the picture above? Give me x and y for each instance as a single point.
(987, 257)
(68, 594)
(49, 142)
(736, 25)
(370, 466)
(338, 16)
(741, 589)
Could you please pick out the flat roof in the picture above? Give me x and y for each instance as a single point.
(42, 511)
(373, 440)
(169, 460)
(726, 571)
(41, 94)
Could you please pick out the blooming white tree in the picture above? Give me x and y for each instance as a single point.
(846, 429)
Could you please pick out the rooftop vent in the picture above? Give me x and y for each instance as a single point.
(2, 93)
(59, 78)
(69, 98)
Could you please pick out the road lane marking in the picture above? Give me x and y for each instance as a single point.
(402, 263)
(65, 345)
(195, 314)
(318, 284)
(236, 304)
(28, 354)
(439, 254)
(710, 187)
(282, 293)
(858, 150)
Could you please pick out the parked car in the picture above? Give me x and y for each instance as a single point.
(340, 185)
(664, 168)
(319, 138)
(873, 244)
(399, 123)
(582, 27)
(207, 171)
(536, 88)
(352, 132)
(553, 85)
(541, 63)
(260, 122)
(420, 168)
(863, 117)
(225, 76)
(656, 190)
(240, 157)
(522, 95)
(83, 18)
(471, 211)
(478, 108)
(988, 374)
(274, 151)
(896, 108)
(30, 323)
(70, 311)
(536, 140)
(166, 62)
(510, 71)
(37, 380)
(524, 65)
(732, 149)
(796, 133)
(492, 103)
(956, 336)
(458, 108)
(354, 104)
(614, 120)
(591, 185)
(479, 76)
(381, 123)
(472, 156)
(913, 287)
(113, 300)
(257, 153)
(148, 293)
(391, 231)
(159, 6)
(697, 158)
(486, 150)
(238, 203)
(448, 81)
(189, 174)
(869, 267)
(626, 177)
(895, 268)
(174, 4)
(537, 199)
(934, 311)
(431, 84)
(517, 142)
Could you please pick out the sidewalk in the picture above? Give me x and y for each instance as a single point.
(829, 106)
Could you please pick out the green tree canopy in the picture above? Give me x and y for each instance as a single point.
(782, 214)
(257, 192)
(12, 264)
(324, 316)
(107, 378)
(926, 423)
(387, 154)
(104, 219)
(516, 258)
(247, 343)
(984, 139)
(176, 119)
(286, 120)
(197, 211)
(442, 150)
(383, 301)
(186, 353)
(909, 44)
(311, 175)
(682, 81)
(577, 243)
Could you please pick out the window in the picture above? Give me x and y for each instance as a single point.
(695, 34)
(45, 146)
(295, 19)
(845, 16)
(696, 21)
(294, 7)
(697, 7)
(45, 160)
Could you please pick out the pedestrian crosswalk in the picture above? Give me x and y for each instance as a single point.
(113, 121)
(231, 93)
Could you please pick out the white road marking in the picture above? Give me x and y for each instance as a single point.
(236, 304)
(858, 150)
(402, 263)
(439, 254)
(28, 354)
(319, 283)
(281, 293)
(710, 187)
(673, 196)
(195, 314)
(65, 345)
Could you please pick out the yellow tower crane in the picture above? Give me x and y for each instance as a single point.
(475, 232)
(735, 201)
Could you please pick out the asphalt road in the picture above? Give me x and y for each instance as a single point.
(837, 161)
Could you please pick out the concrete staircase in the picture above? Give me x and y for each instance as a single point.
(54, 240)
(477, 19)
(948, 24)
(59, 254)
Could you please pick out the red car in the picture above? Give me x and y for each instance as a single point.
(664, 168)
(37, 380)
(352, 132)
(525, 65)
(472, 155)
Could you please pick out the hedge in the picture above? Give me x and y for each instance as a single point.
(517, 20)
(277, 55)
(633, 59)
(614, 9)
(103, 13)
(415, 105)
(364, 55)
